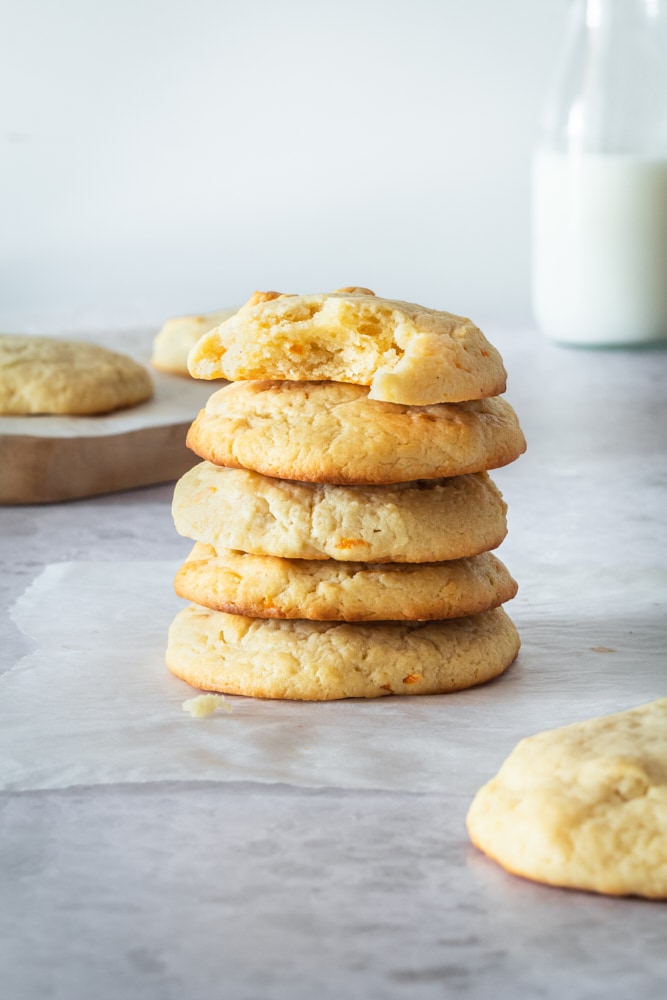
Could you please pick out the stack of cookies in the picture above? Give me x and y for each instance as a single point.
(343, 514)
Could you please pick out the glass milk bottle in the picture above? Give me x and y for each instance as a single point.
(599, 186)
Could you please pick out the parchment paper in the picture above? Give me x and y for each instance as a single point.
(94, 703)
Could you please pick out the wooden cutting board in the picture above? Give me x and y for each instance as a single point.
(45, 459)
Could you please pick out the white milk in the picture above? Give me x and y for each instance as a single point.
(600, 248)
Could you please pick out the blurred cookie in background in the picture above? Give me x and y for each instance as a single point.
(179, 334)
(47, 375)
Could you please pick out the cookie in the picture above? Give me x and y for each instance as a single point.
(178, 336)
(423, 521)
(331, 432)
(321, 661)
(327, 590)
(405, 352)
(47, 375)
(583, 806)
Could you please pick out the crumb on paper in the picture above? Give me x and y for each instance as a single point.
(206, 704)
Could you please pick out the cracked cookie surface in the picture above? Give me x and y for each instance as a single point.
(332, 432)
(328, 590)
(423, 521)
(583, 806)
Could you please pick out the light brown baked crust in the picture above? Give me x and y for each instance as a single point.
(48, 375)
(583, 806)
(331, 432)
(424, 521)
(321, 661)
(405, 352)
(327, 590)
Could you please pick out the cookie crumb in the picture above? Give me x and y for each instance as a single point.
(206, 704)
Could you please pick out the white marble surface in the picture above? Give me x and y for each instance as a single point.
(257, 890)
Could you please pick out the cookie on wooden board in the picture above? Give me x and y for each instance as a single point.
(48, 375)
(178, 335)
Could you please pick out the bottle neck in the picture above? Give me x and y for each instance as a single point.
(609, 93)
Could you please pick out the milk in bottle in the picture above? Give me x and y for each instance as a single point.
(599, 183)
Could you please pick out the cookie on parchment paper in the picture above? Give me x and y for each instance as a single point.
(48, 375)
(405, 352)
(178, 335)
(331, 432)
(583, 806)
(322, 661)
(327, 590)
(423, 521)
